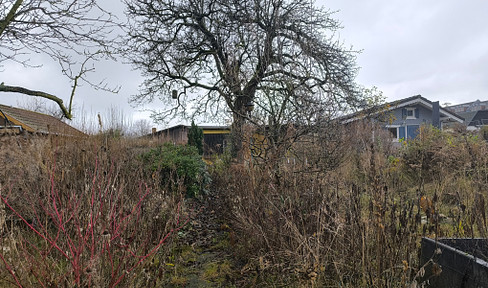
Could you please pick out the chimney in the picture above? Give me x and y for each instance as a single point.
(436, 115)
(153, 130)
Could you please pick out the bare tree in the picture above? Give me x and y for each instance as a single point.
(74, 33)
(141, 127)
(239, 53)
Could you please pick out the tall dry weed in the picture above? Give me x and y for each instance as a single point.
(358, 224)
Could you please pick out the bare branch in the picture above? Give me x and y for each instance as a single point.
(22, 90)
(71, 32)
(10, 16)
(239, 52)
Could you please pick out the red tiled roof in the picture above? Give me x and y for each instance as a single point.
(37, 122)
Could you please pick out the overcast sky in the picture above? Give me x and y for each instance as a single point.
(436, 48)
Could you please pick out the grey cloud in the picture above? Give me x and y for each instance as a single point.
(433, 48)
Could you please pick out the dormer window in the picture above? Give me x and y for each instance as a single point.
(410, 113)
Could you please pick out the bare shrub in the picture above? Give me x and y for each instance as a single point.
(90, 217)
(359, 223)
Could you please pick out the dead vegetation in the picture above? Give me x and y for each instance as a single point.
(86, 214)
(359, 224)
(81, 213)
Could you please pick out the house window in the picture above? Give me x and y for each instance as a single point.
(407, 132)
(394, 132)
(410, 113)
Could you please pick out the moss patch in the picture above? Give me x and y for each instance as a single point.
(217, 271)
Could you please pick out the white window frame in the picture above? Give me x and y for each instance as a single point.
(413, 113)
(395, 139)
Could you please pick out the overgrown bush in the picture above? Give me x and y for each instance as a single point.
(80, 213)
(178, 166)
(360, 223)
(86, 216)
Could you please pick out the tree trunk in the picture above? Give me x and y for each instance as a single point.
(238, 136)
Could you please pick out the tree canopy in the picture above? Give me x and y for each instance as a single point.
(279, 56)
(73, 33)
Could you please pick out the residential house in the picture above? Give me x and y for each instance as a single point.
(404, 117)
(16, 121)
(475, 113)
(475, 120)
(214, 137)
(468, 107)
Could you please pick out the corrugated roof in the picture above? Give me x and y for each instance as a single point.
(37, 122)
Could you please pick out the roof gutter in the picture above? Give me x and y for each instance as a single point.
(9, 123)
(12, 126)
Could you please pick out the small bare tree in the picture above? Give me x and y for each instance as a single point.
(280, 55)
(73, 33)
(141, 127)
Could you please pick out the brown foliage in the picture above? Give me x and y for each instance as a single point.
(81, 212)
(358, 224)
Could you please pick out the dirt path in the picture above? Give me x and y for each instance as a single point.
(202, 254)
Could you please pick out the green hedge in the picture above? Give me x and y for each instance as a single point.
(176, 165)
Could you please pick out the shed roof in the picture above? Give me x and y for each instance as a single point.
(206, 129)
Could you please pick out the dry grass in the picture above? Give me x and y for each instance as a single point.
(351, 218)
(359, 224)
